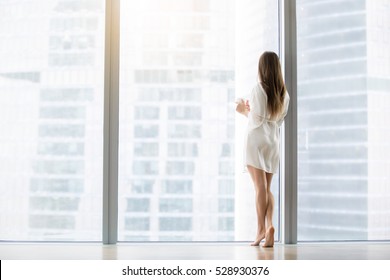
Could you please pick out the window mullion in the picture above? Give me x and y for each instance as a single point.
(289, 176)
(111, 123)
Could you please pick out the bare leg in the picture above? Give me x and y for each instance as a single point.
(270, 201)
(260, 183)
(269, 236)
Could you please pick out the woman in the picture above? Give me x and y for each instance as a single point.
(265, 109)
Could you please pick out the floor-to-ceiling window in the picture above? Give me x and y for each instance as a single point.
(51, 116)
(343, 136)
(183, 62)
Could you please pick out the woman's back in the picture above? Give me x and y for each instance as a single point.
(259, 112)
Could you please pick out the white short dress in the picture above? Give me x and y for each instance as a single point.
(261, 143)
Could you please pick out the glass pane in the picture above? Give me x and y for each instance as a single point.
(51, 116)
(343, 98)
(257, 30)
(178, 158)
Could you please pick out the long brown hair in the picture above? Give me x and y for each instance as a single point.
(271, 79)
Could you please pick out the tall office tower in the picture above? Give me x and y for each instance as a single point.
(378, 129)
(343, 95)
(69, 132)
(16, 122)
(176, 157)
(53, 51)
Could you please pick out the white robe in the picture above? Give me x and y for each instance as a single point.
(261, 143)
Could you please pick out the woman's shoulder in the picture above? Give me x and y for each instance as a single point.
(286, 97)
(258, 89)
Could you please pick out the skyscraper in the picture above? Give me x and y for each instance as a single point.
(343, 96)
(176, 129)
(52, 59)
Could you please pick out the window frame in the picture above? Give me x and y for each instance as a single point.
(289, 151)
(111, 122)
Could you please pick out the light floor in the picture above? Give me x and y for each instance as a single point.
(194, 251)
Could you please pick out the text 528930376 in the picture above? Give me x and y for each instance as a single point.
(229, 270)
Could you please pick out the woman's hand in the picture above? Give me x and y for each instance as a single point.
(243, 107)
(248, 108)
